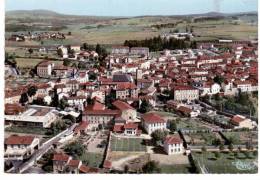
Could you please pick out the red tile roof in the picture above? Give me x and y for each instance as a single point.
(74, 163)
(60, 157)
(21, 140)
(126, 85)
(237, 119)
(122, 105)
(95, 106)
(131, 126)
(152, 118)
(174, 139)
(118, 128)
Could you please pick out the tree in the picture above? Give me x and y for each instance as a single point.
(159, 135)
(66, 62)
(32, 91)
(24, 98)
(173, 126)
(255, 153)
(204, 149)
(69, 33)
(145, 107)
(221, 147)
(98, 49)
(126, 169)
(82, 65)
(217, 155)
(231, 147)
(151, 167)
(63, 104)
(30, 50)
(57, 127)
(216, 142)
(75, 149)
(218, 79)
(59, 52)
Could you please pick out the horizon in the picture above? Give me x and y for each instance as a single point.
(133, 8)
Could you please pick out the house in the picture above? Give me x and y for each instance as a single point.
(123, 50)
(63, 163)
(77, 101)
(97, 115)
(242, 122)
(60, 161)
(186, 111)
(140, 51)
(128, 129)
(44, 69)
(20, 147)
(81, 128)
(127, 112)
(173, 144)
(152, 122)
(126, 90)
(185, 93)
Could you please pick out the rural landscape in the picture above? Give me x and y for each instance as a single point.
(148, 94)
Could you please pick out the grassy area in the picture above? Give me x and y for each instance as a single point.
(32, 62)
(175, 169)
(190, 125)
(127, 144)
(92, 159)
(227, 163)
(26, 130)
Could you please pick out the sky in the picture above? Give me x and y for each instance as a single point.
(134, 7)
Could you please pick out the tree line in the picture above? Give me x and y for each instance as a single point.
(159, 44)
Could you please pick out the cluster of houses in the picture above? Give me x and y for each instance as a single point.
(131, 79)
(36, 36)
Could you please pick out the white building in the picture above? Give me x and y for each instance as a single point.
(173, 145)
(20, 147)
(34, 116)
(152, 122)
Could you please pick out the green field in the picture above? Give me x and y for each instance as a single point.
(226, 163)
(127, 144)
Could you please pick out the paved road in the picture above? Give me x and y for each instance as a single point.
(42, 150)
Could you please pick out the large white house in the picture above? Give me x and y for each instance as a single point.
(152, 122)
(20, 147)
(173, 145)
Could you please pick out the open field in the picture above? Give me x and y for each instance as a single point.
(175, 169)
(115, 30)
(127, 144)
(32, 62)
(226, 163)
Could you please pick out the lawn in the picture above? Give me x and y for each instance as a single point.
(175, 169)
(92, 159)
(127, 144)
(191, 125)
(227, 163)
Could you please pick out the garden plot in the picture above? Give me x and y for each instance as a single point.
(242, 137)
(201, 139)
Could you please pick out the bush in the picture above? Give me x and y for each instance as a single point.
(75, 149)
